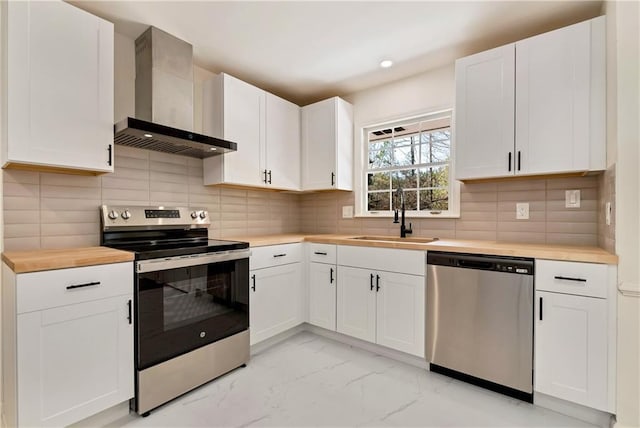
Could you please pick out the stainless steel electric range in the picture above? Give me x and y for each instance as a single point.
(191, 299)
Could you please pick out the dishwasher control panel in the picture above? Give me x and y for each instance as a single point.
(515, 265)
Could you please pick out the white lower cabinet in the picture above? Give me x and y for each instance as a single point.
(75, 361)
(571, 348)
(67, 343)
(322, 295)
(574, 350)
(386, 308)
(275, 300)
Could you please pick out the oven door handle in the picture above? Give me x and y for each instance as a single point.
(190, 260)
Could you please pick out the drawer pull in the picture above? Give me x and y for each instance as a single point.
(320, 253)
(566, 278)
(88, 284)
(280, 255)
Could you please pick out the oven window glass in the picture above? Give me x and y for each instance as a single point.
(184, 308)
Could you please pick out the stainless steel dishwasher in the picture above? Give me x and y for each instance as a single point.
(480, 320)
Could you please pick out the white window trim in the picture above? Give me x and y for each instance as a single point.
(362, 157)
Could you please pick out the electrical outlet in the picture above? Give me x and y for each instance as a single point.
(347, 211)
(572, 199)
(522, 211)
(607, 213)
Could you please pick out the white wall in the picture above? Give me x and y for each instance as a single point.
(623, 141)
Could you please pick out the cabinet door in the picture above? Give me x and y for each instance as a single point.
(60, 91)
(571, 348)
(552, 100)
(484, 116)
(356, 303)
(319, 145)
(74, 361)
(282, 143)
(275, 303)
(400, 312)
(322, 295)
(243, 123)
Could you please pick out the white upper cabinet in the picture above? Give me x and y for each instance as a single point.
(234, 110)
(266, 129)
(533, 107)
(327, 145)
(283, 144)
(484, 113)
(59, 88)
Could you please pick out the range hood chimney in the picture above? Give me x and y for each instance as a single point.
(164, 101)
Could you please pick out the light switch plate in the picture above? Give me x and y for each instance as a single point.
(347, 211)
(572, 199)
(522, 211)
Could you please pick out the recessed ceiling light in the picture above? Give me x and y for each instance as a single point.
(148, 135)
(213, 148)
(386, 63)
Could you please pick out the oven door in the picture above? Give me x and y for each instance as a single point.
(183, 303)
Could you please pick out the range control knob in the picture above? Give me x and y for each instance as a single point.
(126, 215)
(203, 214)
(194, 215)
(113, 215)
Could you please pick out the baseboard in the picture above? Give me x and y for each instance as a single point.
(586, 414)
(280, 337)
(105, 418)
(368, 346)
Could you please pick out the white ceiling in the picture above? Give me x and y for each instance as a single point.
(309, 50)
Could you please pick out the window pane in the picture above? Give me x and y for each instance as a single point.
(406, 179)
(436, 151)
(410, 200)
(442, 135)
(434, 199)
(378, 181)
(407, 155)
(434, 177)
(379, 145)
(378, 201)
(381, 158)
(402, 141)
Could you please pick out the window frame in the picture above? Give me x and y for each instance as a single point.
(362, 162)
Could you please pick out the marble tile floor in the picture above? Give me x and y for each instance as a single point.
(309, 380)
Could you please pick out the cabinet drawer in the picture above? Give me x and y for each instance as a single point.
(322, 253)
(275, 255)
(392, 260)
(582, 279)
(49, 289)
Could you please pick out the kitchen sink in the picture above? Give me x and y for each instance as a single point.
(396, 239)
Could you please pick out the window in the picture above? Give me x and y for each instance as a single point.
(413, 155)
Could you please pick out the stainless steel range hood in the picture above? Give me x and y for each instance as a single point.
(164, 101)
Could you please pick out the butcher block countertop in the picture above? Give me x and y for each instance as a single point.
(539, 251)
(39, 260)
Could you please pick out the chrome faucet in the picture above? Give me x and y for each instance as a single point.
(403, 228)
